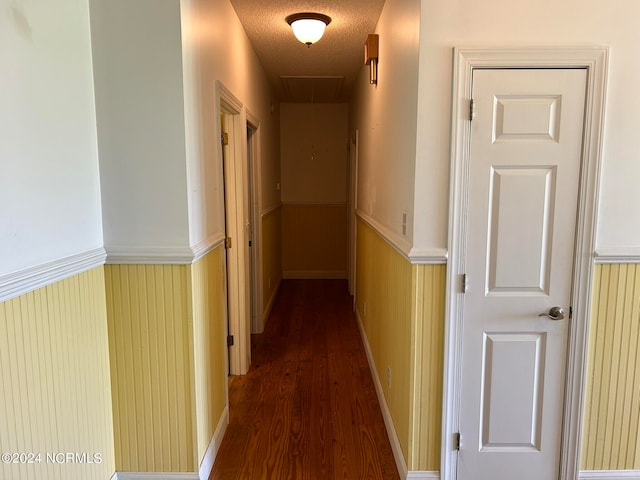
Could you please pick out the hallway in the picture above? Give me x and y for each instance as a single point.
(307, 409)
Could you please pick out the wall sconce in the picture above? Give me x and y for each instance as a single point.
(371, 57)
(308, 27)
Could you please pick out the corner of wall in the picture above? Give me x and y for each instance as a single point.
(55, 392)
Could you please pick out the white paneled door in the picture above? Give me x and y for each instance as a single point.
(525, 157)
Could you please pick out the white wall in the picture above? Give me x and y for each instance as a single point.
(138, 77)
(505, 23)
(314, 141)
(156, 67)
(49, 184)
(216, 49)
(385, 116)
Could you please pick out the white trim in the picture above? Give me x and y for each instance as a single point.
(433, 256)
(424, 475)
(609, 474)
(24, 281)
(401, 245)
(415, 256)
(253, 157)
(226, 96)
(114, 476)
(401, 463)
(594, 59)
(212, 451)
(269, 307)
(156, 476)
(352, 206)
(150, 255)
(207, 245)
(627, 254)
(120, 255)
(314, 274)
(235, 183)
(270, 210)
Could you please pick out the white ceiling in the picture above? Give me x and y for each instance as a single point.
(316, 70)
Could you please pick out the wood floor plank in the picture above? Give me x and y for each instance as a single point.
(307, 409)
(321, 422)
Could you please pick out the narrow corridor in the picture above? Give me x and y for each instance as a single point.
(307, 409)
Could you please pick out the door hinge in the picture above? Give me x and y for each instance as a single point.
(471, 110)
(229, 340)
(465, 283)
(224, 138)
(456, 441)
(227, 242)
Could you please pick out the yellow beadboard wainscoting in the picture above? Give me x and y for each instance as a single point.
(401, 309)
(611, 433)
(54, 379)
(149, 316)
(314, 240)
(271, 258)
(168, 366)
(383, 296)
(429, 288)
(210, 349)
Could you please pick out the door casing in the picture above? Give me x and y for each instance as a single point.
(255, 218)
(353, 208)
(594, 59)
(238, 284)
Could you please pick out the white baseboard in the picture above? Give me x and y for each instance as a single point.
(205, 466)
(212, 452)
(314, 274)
(423, 475)
(401, 463)
(609, 474)
(154, 476)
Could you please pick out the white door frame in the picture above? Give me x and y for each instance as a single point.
(254, 182)
(353, 208)
(594, 59)
(238, 293)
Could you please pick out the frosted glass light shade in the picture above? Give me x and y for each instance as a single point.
(308, 27)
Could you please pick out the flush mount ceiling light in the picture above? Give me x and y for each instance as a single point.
(308, 27)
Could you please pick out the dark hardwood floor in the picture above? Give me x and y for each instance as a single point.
(307, 409)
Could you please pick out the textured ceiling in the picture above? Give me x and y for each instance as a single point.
(311, 71)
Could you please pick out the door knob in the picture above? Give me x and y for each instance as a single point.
(555, 313)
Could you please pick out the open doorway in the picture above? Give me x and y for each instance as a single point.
(353, 207)
(254, 224)
(239, 286)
